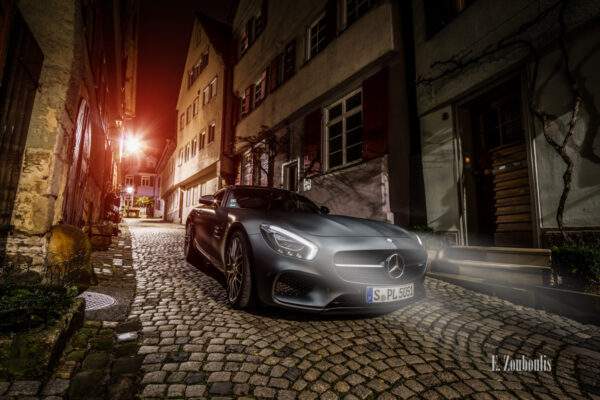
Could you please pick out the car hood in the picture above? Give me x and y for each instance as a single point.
(330, 225)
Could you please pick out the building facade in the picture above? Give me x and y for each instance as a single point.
(323, 104)
(141, 181)
(201, 161)
(60, 98)
(490, 173)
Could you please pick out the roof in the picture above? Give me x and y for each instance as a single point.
(218, 34)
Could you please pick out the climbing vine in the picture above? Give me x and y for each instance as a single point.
(515, 40)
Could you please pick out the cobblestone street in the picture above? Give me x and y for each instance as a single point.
(195, 346)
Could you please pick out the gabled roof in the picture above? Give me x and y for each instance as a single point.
(218, 34)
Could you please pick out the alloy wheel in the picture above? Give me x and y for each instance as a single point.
(235, 268)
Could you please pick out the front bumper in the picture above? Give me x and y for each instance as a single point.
(321, 285)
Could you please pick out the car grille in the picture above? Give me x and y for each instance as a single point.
(293, 285)
(368, 266)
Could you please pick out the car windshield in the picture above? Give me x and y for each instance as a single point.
(271, 200)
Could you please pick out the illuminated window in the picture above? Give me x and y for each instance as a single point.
(196, 105)
(145, 181)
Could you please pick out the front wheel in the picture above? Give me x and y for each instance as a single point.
(238, 274)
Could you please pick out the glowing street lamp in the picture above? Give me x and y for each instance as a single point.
(132, 144)
(129, 189)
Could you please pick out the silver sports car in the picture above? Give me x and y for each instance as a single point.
(277, 247)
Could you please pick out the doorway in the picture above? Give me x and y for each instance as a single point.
(496, 179)
(20, 75)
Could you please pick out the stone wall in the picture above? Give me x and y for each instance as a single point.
(66, 78)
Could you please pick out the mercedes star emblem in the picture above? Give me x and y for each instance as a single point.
(394, 266)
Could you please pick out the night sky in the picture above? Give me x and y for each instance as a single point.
(164, 32)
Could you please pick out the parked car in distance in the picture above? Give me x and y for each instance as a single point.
(278, 248)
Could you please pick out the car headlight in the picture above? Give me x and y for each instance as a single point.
(288, 243)
(417, 238)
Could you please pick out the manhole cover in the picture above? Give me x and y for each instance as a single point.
(96, 301)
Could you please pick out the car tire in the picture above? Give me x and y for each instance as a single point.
(189, 250)
(238, 273)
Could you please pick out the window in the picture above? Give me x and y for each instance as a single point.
(129, 179)
(180, 157)
(315, 37)
(197, 69)
(213, 88)
(188, 114)
(194, 195)
(145, 181)
(290, 175)
(344, 130)
(194, 146)
(255, 166)
(202, 140)
(247, 168)
(181, 122)
(211, 133)
(206, 95)
(188, 196)
(187, 152)
(254, 27)
(354, 9)
(196, 105)
(244, 105)
(289, 60)
(260, 89)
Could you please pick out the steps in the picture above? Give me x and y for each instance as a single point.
(514, 267)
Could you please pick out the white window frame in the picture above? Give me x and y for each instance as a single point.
(180, 157)
(206, 95)
(284, 174)
(202, 143)
(194, 146)
(213, 88)
(145, 181)
(342, 117)
(323, 31)
(182, 121)
(214, 133)
(129, 180)
(258, 89)
(243, 104)
(196, 105)
(187, 152)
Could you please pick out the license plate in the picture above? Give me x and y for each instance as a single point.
(382, 294)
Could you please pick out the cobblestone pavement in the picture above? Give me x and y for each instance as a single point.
(195, 346)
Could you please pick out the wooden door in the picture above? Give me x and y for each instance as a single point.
(19, 83)
(502, 176)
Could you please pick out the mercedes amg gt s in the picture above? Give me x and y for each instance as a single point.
(278, 248)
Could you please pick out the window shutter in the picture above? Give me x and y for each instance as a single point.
(263, 13)
(273, 74)
(263, 92)
(248, 100)
(312, 143)
(290, 60)
(375, 115)
(330, 20)
(152, 181)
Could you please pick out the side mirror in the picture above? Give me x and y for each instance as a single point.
(208, 200)
(324, 210)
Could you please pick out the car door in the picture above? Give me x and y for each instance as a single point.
(217, 225)
(204, 221)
